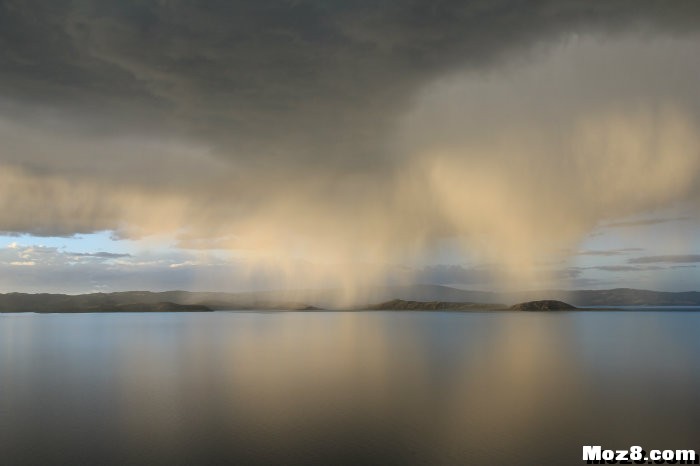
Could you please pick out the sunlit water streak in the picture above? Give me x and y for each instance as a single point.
(345, 388)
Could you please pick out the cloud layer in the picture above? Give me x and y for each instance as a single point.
(354, 137)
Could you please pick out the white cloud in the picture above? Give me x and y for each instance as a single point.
(23, 263)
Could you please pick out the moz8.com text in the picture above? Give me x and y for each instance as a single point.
(595, 454)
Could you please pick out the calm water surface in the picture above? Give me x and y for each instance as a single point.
(345, 388)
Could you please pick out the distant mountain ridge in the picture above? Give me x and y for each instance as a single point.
(315, 299)
(610, 297)
(137, 301)
(401, 305)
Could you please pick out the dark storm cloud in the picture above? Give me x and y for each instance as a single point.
(313, 75)
(267, 86)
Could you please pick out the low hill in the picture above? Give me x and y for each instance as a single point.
(545, 305)
(149, 307)
(401, 305)
(135, 301)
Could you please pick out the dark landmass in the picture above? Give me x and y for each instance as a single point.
(427, 297)
(429, 293)
(614, 297)
(307, 308)
(632, 297)
(401, 305)
(136, 301)
(545, 305)
(596, 298)
(78, 306)
(149, 307)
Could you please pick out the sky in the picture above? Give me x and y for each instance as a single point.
(247, 145)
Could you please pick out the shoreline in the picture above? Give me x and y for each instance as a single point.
(641, 308)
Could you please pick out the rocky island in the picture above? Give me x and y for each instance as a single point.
(544, 305)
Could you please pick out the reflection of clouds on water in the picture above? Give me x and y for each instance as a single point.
(292, 377)
(409, 387)
(518, 378)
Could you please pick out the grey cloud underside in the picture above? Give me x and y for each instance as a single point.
(671, 259)
(626, 268)
(644, 222)
(322, 79)
(609, 252)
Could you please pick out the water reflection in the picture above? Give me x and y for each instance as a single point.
(354, 388)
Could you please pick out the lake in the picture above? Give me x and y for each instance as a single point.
(345, 387)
